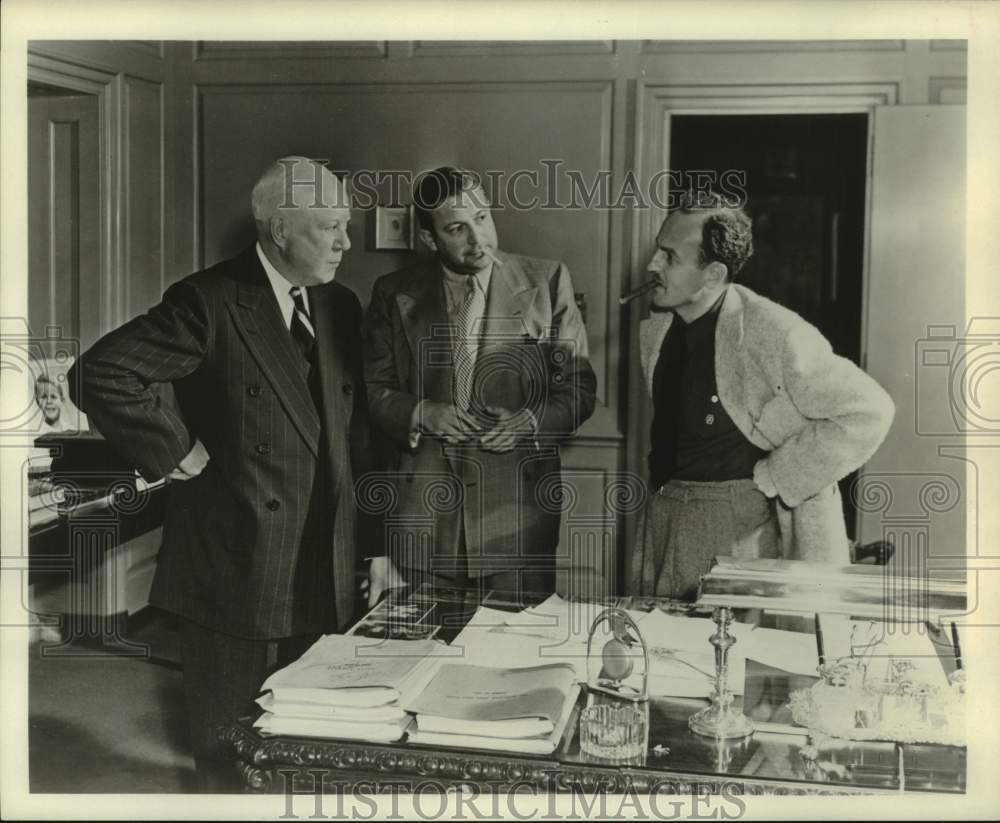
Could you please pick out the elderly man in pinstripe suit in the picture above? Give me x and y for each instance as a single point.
(260, 542)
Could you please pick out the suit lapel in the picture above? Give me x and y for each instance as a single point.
(425, 322)
(332, 353)
(332, 350)
(508, 305)
(262, 328)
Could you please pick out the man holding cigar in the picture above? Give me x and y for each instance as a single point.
(755, 419)
(477, 368)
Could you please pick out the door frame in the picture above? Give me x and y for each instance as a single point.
(106, 87)
(658, 101)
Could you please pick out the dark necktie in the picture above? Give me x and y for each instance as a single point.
(667, 382)
(305, 338)
(302, 329)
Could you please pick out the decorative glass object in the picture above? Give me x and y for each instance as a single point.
(851, 704)
(614, 732)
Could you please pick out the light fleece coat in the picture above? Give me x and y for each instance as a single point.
(817, 415)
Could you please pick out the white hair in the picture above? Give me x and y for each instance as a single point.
(272, 190)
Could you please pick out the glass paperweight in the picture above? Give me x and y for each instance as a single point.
(614, 732)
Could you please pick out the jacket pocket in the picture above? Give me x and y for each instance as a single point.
(779, 420)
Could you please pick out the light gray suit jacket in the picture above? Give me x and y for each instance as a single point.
(817, 415)
(532, 354)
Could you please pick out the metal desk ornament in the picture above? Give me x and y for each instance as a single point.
(719, 719)
(617, 656)
(615, 723)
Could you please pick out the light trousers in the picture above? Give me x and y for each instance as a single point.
(686, 524)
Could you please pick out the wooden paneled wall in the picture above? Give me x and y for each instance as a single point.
(130, 81)
(192, 125)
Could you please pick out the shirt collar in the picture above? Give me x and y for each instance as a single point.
(704, 327)
(483, 277)
(281, 287)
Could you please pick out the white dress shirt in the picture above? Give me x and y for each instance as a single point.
(282, 288)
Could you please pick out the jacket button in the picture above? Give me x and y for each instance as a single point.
(263, 448)
(253, 390)
(348, 389)
(273, 505)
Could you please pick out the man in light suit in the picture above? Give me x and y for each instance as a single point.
(755, 418)
(263, 352)
(477, 369)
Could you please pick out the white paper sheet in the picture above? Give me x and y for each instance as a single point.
(793, 652)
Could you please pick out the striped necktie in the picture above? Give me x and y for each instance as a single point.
(305, 338)
(467, 340)
(302, 328)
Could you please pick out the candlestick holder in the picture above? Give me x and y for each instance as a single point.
(720, 720)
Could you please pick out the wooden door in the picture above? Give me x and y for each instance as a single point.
(64, 216)
(914, 489)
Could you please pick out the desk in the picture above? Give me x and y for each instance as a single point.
(676, 762)
(92, 554)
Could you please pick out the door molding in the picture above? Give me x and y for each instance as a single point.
(656, 102)
(107, 88)
(659, 101)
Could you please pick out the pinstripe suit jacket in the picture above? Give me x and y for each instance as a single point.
(262, 543)
(532, 354)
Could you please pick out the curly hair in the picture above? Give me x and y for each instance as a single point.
(726, 233)
(437, 187)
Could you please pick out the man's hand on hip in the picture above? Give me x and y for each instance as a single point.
(192, 464)
(382, 575)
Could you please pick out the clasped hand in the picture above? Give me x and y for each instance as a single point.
(496, 430)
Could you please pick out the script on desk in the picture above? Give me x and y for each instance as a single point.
(353, 671)
(566, 622)
(508, 703)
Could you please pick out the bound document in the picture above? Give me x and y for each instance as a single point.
(344, 670)
(482, 707)
(372, 732)
(349, 687)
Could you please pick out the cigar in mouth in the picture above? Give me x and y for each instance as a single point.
(639, 291)
(491, 256)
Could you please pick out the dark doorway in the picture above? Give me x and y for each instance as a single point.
(805, 182)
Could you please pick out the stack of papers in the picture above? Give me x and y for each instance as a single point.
(482, 707)
(681, 657)
(349, 687)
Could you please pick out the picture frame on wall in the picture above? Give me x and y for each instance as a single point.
(55, 413)
(393, 228)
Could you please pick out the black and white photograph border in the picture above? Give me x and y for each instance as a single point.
(181, 105)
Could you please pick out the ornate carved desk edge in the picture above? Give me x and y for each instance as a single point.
(260, 759)
(244, 745)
